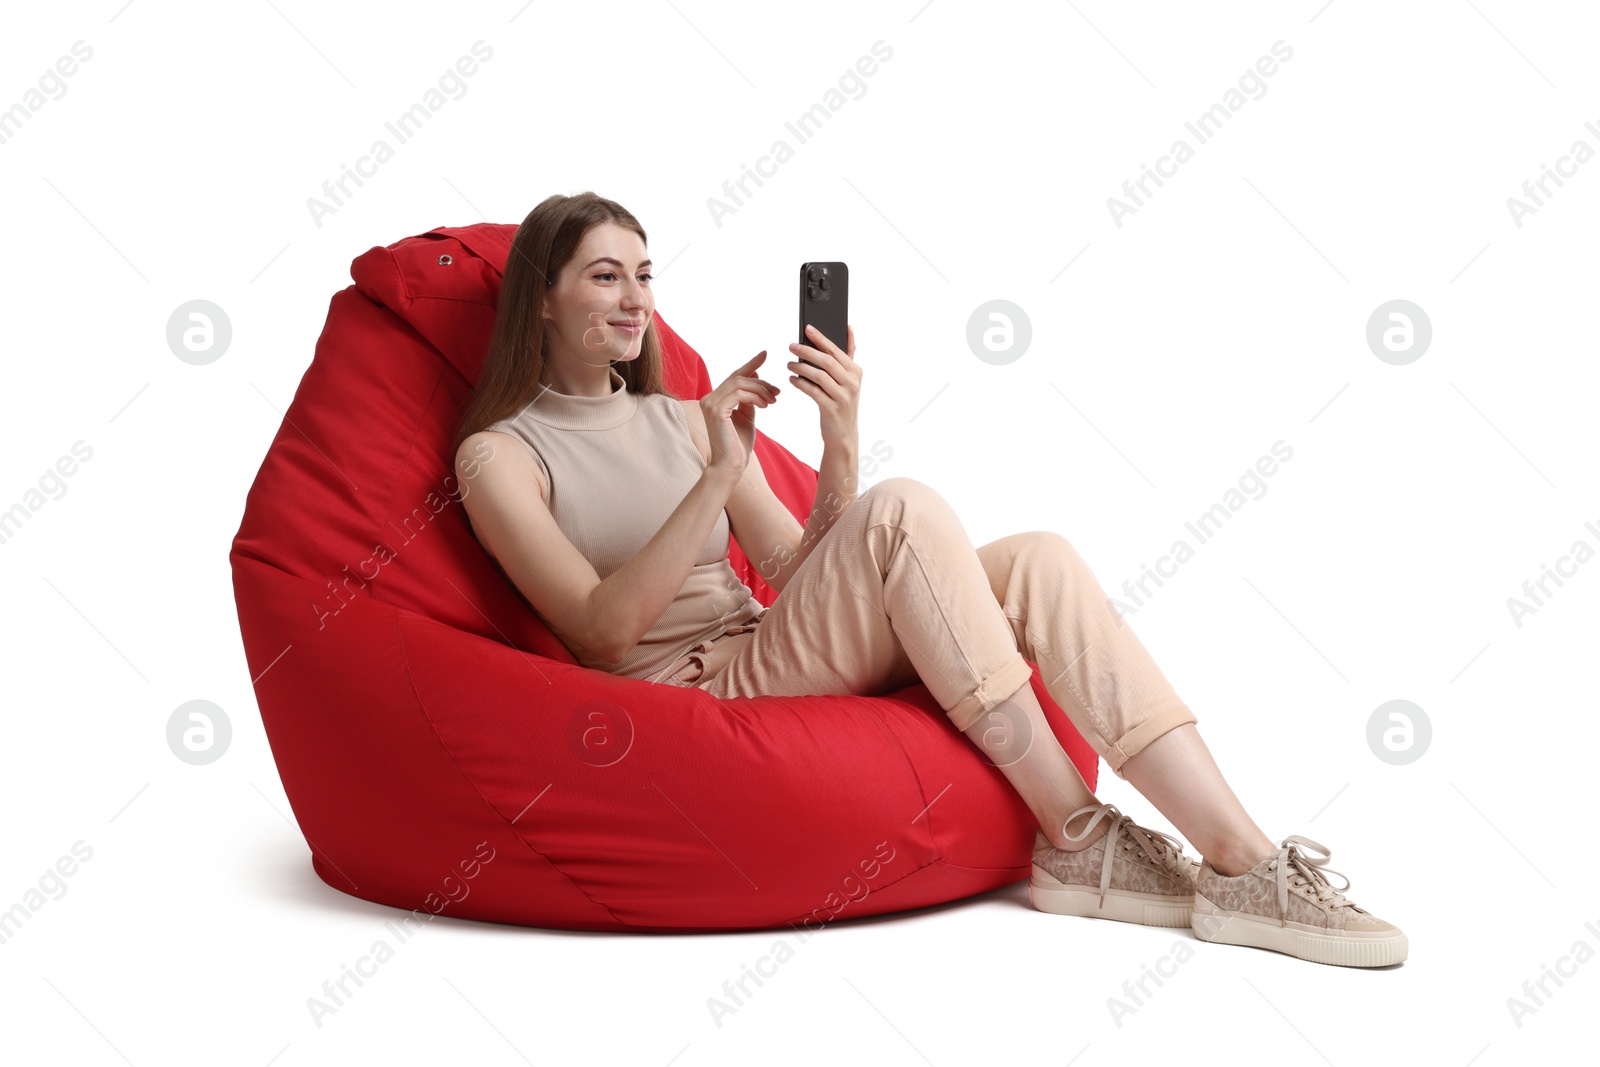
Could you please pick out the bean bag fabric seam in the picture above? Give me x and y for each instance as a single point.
(399, 275)
(937, 861)
(245, 552)
(1021, 872)
(922, 792)
(405, 655)
(449, 299)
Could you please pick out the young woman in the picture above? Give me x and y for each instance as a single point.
(609, 503)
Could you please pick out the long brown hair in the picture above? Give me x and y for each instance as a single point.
(513, 368)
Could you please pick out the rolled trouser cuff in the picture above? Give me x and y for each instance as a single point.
(990, 692)
(1132, 742)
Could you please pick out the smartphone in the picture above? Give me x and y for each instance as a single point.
(825, 303)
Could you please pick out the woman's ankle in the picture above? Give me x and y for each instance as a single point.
(1233, 857)
(1053, 831)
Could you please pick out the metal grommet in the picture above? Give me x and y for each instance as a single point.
(445, 260)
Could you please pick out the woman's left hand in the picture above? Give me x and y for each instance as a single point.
(834, 383)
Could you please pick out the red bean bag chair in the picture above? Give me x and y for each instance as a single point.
(444, 753)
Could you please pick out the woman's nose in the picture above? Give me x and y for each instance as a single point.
(634, 295)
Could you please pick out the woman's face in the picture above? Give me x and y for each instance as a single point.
(601, 303)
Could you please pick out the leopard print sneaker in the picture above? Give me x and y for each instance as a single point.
(1131, 874)
(1286, 903)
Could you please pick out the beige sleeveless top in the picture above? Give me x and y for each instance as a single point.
(617, 467)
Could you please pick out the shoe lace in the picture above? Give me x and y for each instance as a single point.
(1297, 865)
(1164, 851)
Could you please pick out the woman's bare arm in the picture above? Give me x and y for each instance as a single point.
(502, 490)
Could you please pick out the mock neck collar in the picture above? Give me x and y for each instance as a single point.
(567, 412)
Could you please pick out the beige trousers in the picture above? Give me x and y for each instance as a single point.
(895, 593)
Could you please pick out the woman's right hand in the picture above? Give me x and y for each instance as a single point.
(730, 411)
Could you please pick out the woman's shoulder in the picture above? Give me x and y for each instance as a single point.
(481, 449)
(694, 421)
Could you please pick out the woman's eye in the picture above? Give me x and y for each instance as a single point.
(646, 277)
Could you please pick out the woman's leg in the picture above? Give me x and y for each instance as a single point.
(909, 597)
(1102, 676)
(1017, 738)
(893, 593)
(1176, 773)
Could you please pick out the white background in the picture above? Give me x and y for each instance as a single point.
(1227, 314)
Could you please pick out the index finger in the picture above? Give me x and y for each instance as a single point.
(823, 342)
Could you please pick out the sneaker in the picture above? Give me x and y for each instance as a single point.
(1131, 874)
(1286, 903)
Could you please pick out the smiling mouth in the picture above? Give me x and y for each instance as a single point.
(631, 327)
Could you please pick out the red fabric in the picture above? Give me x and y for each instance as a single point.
(423, 718)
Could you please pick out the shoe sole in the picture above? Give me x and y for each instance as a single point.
(1341, 949)
(1046, 893)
